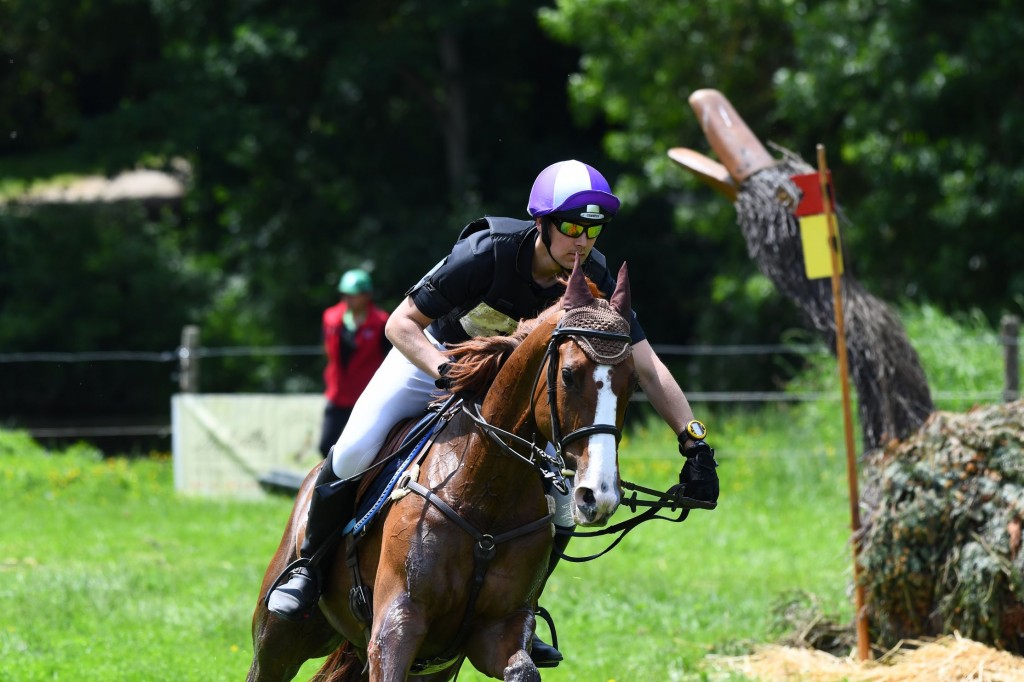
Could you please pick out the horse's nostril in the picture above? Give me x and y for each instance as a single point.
(588, 496)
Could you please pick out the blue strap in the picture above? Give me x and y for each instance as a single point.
(355, 526)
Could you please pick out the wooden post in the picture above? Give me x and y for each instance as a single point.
(1009, 333)
(860, 611)
(188, 357)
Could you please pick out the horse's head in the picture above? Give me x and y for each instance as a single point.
(589, 379)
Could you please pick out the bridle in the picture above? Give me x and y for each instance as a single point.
(550, 361)
(552, 469)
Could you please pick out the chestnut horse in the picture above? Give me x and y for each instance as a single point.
(457, 566)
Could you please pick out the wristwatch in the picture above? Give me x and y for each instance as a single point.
(696, 430)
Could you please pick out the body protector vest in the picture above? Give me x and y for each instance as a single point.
(512, 294)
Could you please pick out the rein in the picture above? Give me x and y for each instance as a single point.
(554, 469)
(551, 469)
(672, 499)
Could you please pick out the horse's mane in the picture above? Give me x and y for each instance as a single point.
(476, 362)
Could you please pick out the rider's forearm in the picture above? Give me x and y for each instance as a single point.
(419, 350)
(405, 332)
(661, 388)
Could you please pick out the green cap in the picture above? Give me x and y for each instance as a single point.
(355, 282)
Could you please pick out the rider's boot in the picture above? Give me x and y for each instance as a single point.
(545, 655)
(331, 507)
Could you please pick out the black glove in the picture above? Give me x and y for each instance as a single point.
(698, 476)
(444, 382)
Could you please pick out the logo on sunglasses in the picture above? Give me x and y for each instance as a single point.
(593, 212)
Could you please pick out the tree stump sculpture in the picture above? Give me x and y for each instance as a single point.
(893, 394)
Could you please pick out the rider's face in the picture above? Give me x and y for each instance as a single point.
(564, 248)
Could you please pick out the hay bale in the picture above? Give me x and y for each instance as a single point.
(942, 531)
(949, 659)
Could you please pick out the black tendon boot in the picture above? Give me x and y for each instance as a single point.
(545, 655)
(331, 507)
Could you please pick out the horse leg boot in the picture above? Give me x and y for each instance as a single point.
(330, 507)
(545, 655)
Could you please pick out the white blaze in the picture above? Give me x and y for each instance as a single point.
(601, 472)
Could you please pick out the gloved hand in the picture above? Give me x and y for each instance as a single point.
(698, 476)
(445, 383)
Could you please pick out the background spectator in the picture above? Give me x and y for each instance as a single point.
(355, 345)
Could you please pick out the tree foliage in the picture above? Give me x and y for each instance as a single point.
(920, 105)
(324, 135)
(641, 62)
(916, 102)
(83, 279)
(319, 137)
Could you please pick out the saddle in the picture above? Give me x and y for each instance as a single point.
(407, 441)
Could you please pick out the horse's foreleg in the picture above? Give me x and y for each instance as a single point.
(499, 649)
(399, 627)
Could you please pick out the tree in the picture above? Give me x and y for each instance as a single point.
(641, 61)
(919, 101)
(319, 137)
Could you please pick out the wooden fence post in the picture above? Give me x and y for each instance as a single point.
(188, 356)
(1009, 333)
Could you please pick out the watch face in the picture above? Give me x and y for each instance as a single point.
(696, 430)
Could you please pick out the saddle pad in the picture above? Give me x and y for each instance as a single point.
(375, 492)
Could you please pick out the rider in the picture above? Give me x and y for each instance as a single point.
(500, 271)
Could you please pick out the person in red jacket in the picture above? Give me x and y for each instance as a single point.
(355, 344)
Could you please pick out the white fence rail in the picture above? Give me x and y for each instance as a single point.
(224, 444)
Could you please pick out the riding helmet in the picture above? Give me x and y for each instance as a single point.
(573, 190)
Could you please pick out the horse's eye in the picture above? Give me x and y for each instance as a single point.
(567, 377)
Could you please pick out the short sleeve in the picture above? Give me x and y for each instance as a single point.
(464, 276)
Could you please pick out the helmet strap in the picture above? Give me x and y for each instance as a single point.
(545, 236)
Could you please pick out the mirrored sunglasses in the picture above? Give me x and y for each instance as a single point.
(575, 229)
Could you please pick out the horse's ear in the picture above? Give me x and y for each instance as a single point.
(577, 293)
(621, 301)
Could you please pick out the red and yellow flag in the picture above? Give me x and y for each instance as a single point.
(814, 226)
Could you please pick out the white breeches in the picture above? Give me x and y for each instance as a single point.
(398, 390)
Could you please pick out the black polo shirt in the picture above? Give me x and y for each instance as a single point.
(460, 296)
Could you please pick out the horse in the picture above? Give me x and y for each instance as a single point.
(458, 561)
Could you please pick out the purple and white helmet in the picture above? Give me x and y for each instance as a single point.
(573, 189)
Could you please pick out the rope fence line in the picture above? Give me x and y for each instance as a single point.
(160, 430)
(256, 351)
(189, 354)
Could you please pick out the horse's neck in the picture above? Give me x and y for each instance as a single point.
(508, 403)
(493, 485)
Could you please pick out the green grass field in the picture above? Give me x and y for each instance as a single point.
(107, 574)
